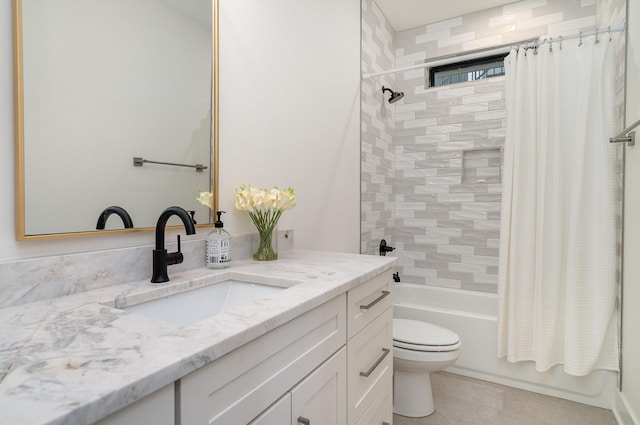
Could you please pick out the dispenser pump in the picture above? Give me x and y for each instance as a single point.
(218, 223)
(218, 245)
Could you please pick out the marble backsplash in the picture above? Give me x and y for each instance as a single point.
(35, 279)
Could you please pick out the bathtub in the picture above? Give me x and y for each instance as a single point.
(473, 316)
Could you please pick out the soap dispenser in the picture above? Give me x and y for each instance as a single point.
(218, 246)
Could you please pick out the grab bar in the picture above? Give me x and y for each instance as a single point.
(138, 161)
(626, 135)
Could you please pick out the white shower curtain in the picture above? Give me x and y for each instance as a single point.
(558, 263)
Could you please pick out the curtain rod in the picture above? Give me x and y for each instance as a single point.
(480, 53)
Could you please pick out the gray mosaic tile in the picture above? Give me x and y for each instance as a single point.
(476, 241)
(457, 224)
(433, 265)
(469, 135)
(482, 125)
(456, 275)
(440, 215)
(456, 118)
(487, 252)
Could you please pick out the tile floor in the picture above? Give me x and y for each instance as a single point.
(465, 401)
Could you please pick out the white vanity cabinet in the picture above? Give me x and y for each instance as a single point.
(330, 366)
(156, 408)
(238, 387)
(370, 352)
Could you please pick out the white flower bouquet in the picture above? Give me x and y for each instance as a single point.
(265, 206)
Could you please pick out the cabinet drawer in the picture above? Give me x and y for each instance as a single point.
(370, 363)
(368, 301)
(321, 398)
(380, 411)
(235, 388)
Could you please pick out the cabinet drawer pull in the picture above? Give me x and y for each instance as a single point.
(366, 374)
(304, 421)
(376, 301)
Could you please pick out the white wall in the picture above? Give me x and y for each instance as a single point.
(629, 399)
(290, 115)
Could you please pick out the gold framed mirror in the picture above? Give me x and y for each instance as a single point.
(98, 84)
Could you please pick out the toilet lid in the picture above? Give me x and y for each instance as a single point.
(424, 334)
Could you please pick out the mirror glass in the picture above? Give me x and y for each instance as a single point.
(104, 82)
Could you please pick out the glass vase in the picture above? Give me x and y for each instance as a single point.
(267, 245)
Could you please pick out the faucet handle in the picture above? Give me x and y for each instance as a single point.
(384, 248)
(175, 257)
(193, 216)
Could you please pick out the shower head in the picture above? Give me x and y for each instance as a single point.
(395, 95)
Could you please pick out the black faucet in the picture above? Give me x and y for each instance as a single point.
(162, 259)
(119, 211)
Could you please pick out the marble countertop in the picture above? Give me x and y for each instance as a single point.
(76, 359)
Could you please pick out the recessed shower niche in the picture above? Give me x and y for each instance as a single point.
(483, 165)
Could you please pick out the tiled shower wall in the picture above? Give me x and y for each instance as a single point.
(378, 124)
(447, 141)
(448, 154)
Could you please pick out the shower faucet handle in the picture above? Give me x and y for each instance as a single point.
(384, 248)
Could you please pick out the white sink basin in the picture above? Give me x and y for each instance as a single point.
(194, 305)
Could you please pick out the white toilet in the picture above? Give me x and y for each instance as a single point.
(419, 348)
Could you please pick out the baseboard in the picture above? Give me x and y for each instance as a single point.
(623, 414)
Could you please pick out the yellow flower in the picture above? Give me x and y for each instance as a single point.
(250, 198)
(206, 199)
(287, 199)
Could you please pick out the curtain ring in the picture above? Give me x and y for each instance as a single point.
(597, 41)
(609, 33)
(560, 37)
(580, 43)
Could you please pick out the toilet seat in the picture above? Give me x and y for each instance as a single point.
(416, 335)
